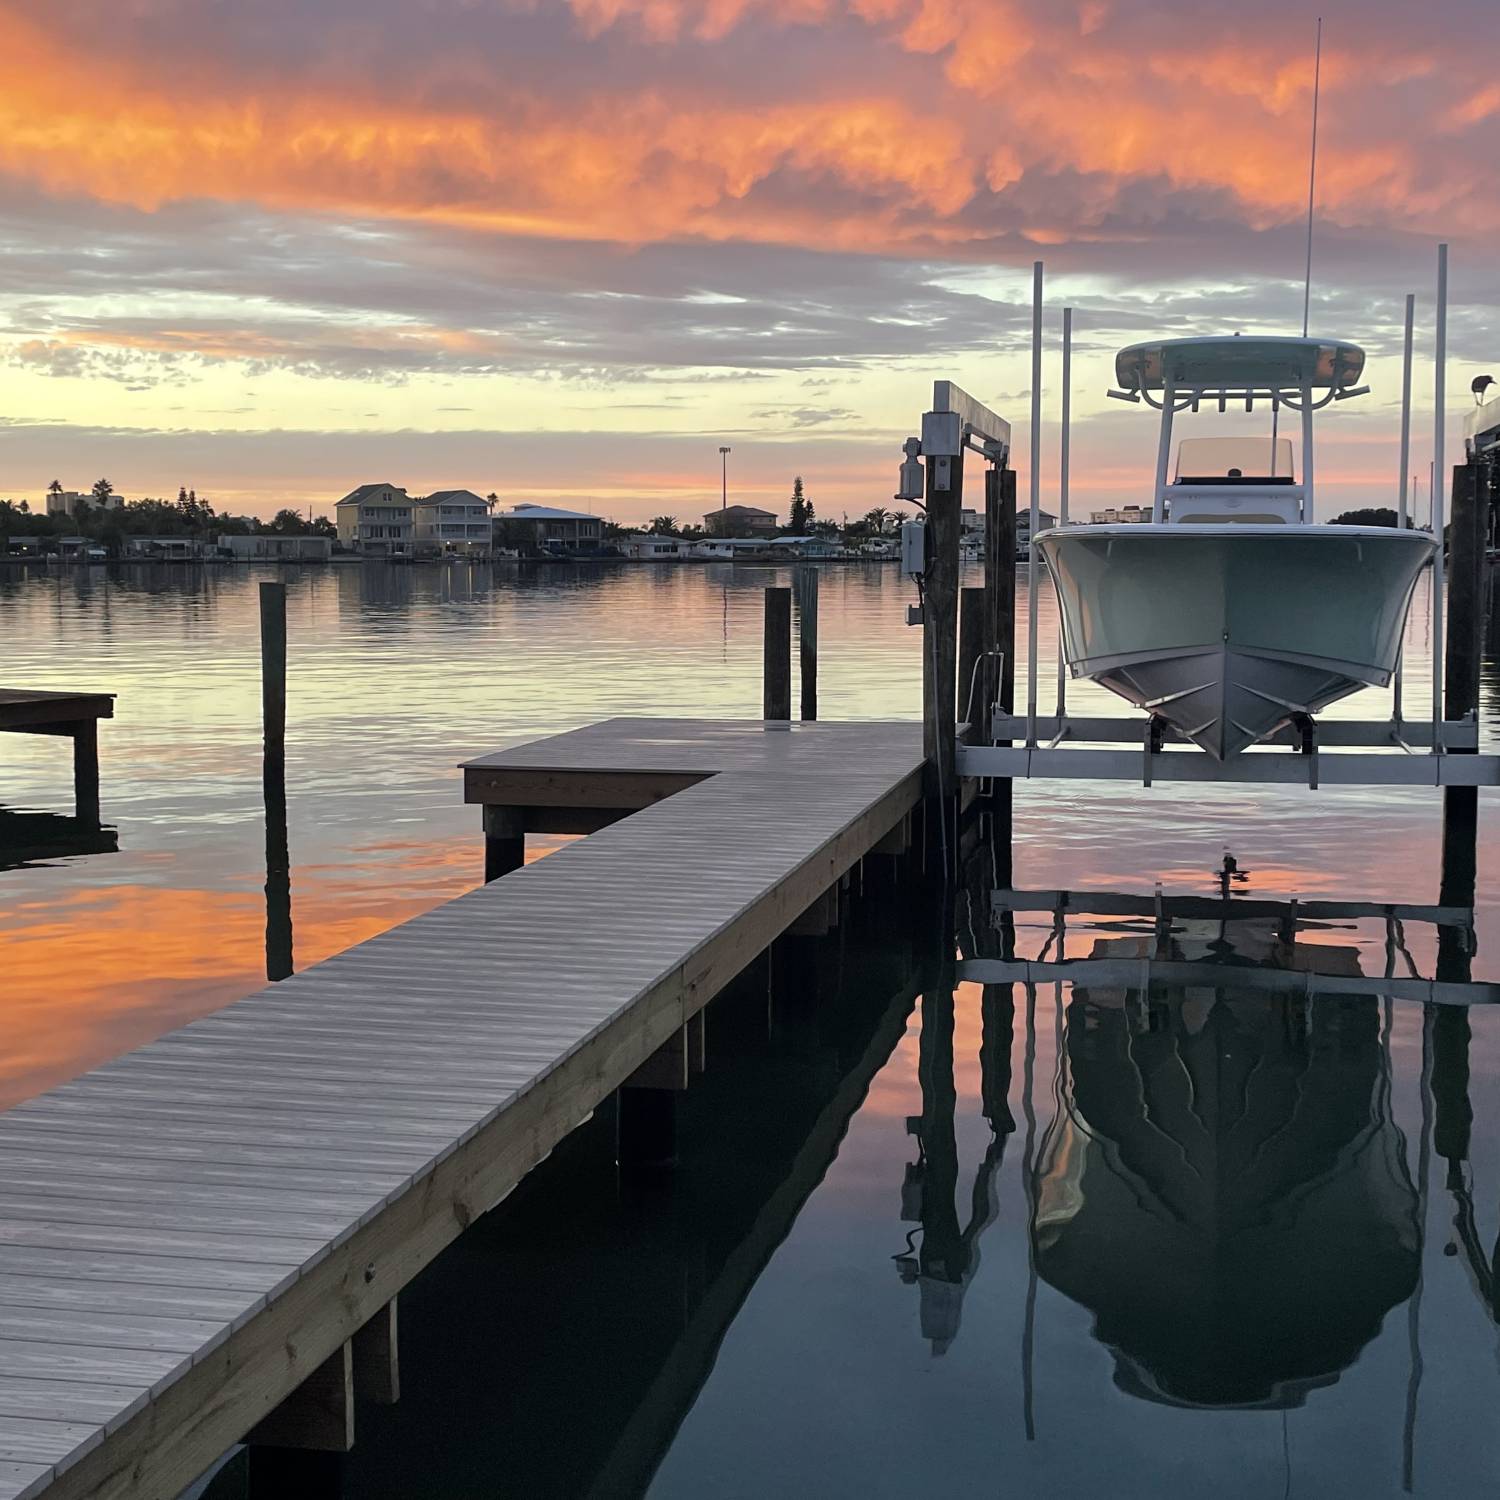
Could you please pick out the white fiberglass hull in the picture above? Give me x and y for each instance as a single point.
(1227, 631)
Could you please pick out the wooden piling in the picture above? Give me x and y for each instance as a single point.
(1000, 611)
(776, 696)
(973, 707)
(86, 771)
(940, 620)
(807, 638)
(278, 886)
(273, 673)
(1465, 643)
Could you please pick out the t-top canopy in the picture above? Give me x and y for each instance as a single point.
(1239, 363)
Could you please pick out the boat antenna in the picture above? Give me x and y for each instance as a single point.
(1312, 172)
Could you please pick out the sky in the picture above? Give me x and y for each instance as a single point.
(564, 250)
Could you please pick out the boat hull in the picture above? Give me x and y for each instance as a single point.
(1229, 631)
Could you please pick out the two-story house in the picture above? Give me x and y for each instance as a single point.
(378, 520)
(452, 521)
(546, 528)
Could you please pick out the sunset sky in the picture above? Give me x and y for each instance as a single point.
(564, 249)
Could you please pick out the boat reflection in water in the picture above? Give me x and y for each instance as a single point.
(1224, 1185)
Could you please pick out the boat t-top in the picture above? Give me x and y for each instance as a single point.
(1232, 612)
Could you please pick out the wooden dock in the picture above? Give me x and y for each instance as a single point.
(74, 715)
(191, 1232)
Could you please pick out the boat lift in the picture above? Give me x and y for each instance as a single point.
(974, 731)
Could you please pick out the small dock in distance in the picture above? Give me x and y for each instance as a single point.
(74, 716)
(205, 1239)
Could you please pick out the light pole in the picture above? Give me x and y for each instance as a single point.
(724, 484)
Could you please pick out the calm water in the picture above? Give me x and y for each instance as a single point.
(1061, 1243)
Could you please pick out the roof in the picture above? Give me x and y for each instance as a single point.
(365, 491)
(545, 513)
(744, 510)
(441, 496)
(1237, 361)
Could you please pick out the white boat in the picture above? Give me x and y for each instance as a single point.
(1232, 612)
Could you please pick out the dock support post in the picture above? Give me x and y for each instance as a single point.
(942, 447)
(86, 771)
(504, 841)
(319, 1414)
(1466, 546)
(1000, 582)
(807, 638)
(278, 887)
(377, 1369)
(776, 694)
(973, 709)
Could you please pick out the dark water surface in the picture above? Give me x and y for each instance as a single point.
(926, 1237)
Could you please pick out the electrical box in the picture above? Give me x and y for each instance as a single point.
(914, 548)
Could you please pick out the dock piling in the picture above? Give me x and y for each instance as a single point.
(504, 841)
(776, 696)
(807, 637)
(1465, 644)
(973, 706)
(86, 772)
(278, 887)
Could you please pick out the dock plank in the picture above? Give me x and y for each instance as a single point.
(262, 1181)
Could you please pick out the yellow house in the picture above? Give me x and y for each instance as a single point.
(377, 519)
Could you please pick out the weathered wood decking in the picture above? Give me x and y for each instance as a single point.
(74, 715)
(190, 1231)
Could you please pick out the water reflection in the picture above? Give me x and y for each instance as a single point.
(1224, 1186)
(28, 839)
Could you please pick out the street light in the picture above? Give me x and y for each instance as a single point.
(724, 482)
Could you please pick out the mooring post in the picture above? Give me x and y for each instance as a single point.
(1000, 583)
(944, 485)
(807, 637)
(86, 771)
(504, 841)
(273, 674)
(1466, 539)
(776, 696)
(278, 887)
(972, 708)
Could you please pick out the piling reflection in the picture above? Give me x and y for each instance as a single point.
(38, 838)
(1225, 1187)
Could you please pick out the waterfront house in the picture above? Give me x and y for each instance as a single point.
(805, 546)
(646, 546)
(546, 528)
(451, 521)
(268, 547)
(732, 549)
(741, 521)
(376, 519)
(165, 548)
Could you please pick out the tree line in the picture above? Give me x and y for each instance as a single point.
(190, 515)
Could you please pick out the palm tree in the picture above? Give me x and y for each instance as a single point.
(663, 526)
(877, 518)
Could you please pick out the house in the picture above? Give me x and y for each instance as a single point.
(806, 546)
(265, 547)
(732, 549)
(646, 546)
(376, 519)
(1126, 515)
(66, 502)
(740, 520)
(548, 529)
(165, 548)
(452, 521)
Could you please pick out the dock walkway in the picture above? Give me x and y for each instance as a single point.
(192, 1230)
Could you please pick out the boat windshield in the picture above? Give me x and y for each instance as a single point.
(1234, 460)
